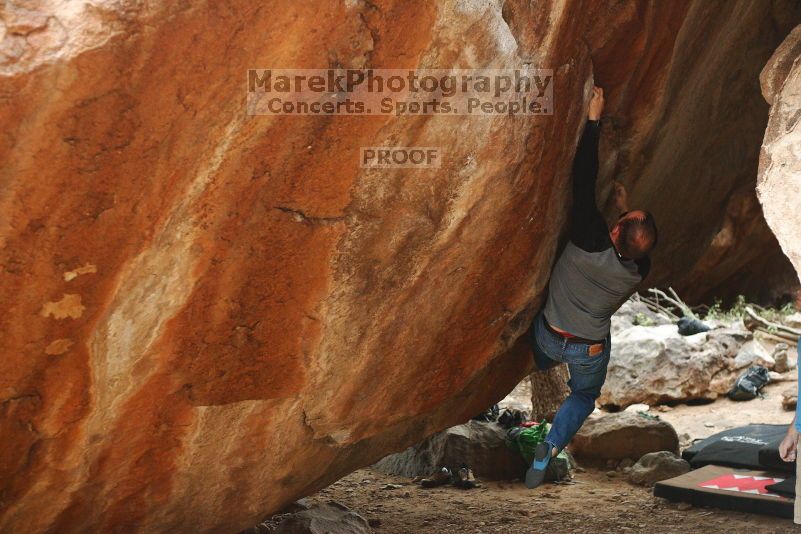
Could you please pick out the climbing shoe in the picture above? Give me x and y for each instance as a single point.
(536, 473)
(440, 478)
(465, 479)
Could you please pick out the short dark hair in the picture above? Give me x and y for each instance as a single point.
(632, 230)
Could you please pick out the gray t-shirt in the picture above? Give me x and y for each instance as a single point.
(586, 288)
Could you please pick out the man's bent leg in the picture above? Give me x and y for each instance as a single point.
(547, 349)
(586, 380)
(571, 415)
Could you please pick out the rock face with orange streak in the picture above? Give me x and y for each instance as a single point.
(207, 315)
(779, 183)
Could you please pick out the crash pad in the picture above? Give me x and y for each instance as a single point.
(770, 459)
(743, 490)
(741, 447)
(785, 487)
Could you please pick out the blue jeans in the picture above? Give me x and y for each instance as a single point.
(587, 375)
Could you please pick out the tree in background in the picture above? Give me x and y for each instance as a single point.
(548, 391)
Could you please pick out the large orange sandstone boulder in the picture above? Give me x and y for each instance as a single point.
(206, 315)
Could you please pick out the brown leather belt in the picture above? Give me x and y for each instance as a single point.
(571, 339)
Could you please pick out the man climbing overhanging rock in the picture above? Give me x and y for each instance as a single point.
(597, 271)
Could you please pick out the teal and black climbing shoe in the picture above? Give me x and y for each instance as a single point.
(536, 473)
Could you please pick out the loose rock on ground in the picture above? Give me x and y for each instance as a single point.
(656, 466)
(329, 518)
(623, 435)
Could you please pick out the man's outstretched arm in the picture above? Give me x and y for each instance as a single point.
(588, 229)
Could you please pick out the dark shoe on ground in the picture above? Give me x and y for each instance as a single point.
(440, 478)
(536, 473)
(465, 479)
(512, 417)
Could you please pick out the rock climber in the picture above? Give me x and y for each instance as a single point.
(597, 271)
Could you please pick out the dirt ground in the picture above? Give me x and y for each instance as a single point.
(596, 501)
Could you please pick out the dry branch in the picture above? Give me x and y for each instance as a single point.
(773, 328)
(658, 308)
(778, 336)
(674, 300)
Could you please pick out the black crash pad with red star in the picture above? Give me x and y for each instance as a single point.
(728, 488)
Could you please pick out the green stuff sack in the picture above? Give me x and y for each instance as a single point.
(525, 441)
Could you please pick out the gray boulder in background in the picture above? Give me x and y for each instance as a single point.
(753, 353)
(654, 364)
